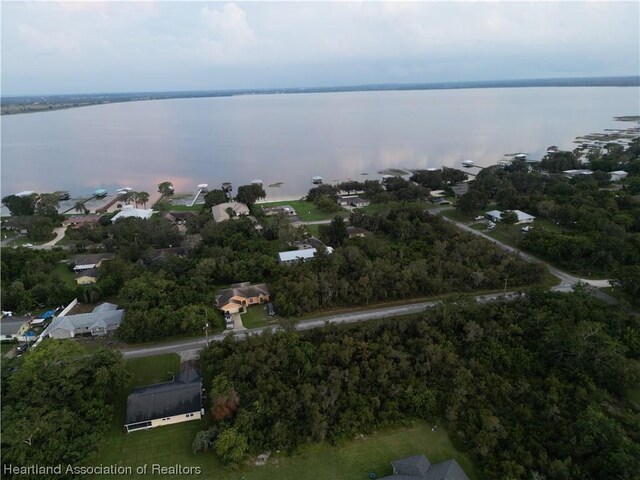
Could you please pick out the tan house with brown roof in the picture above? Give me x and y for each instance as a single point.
(240, 296)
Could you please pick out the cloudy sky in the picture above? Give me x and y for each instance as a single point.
(113, 46)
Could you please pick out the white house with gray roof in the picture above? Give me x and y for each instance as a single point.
(419, 467)
(103, 319)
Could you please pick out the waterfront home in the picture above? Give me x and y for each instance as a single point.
(77, 221)
(352, 200)
(129, 211)
(287, 210)
(231, 210)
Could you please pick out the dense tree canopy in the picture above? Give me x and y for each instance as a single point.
(534, 388)
(57, 404)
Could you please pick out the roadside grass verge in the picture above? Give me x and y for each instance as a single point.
(307, 211)
(456, 215)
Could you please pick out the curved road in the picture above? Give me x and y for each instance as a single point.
(567, 282)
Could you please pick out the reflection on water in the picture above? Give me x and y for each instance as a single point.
(290, 138)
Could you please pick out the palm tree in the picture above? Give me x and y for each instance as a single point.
(80, 208)
(143, 198)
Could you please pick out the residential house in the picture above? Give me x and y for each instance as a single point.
(460, 189)
(165, 403)
(103, 319)
(496, 216)
(418, 467)
(294, 256)
(87, 262)
(180, 218)
(357, 232)
(129, 211)
(226, 211)
(353, 201)
(159, 255)
(87, 277)
(618, 175)
(241, 295)
(16, 328)
(286, 210)
(77, 221)
(576, 172)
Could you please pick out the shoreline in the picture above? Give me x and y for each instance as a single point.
(20, 104)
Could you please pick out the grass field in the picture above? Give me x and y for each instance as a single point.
(257, 316)
(352, 460)
(65, 273)
(171, 445)
(307, 211)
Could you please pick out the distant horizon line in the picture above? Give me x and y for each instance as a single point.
(613, 81)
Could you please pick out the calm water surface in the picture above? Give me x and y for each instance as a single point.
(290, 138)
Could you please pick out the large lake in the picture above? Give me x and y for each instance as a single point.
(290, 138)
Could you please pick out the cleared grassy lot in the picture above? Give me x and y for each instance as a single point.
(171, 445)
(352, 460)
(307, 211)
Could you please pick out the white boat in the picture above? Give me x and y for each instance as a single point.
(256, 182)
(203, 186)
(124, 190)
(316, 180)
(468, 163)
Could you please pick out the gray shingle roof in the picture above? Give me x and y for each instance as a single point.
(223, 296)
(416, 466)
(447, 470)
(84, 321)
(163, 400)
(419, 468)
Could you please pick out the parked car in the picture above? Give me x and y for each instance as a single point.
(526, 229)
(20, 349)
(270, 309)
(491, 226)
(479, 217)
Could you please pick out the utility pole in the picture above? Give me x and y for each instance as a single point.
(206, 325)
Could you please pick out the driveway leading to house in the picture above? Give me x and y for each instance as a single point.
(344, 318)
(59, 232)
(237, 322)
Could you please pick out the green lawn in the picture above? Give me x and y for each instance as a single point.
(5, 347)
(456, 215)
(65, 273)
(352, 460)
(307, 211)
(171, 445)
(6, 234)
(257, 316)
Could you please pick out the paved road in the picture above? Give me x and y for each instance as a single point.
(353, 317)
(567, 282)
(566, 279)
